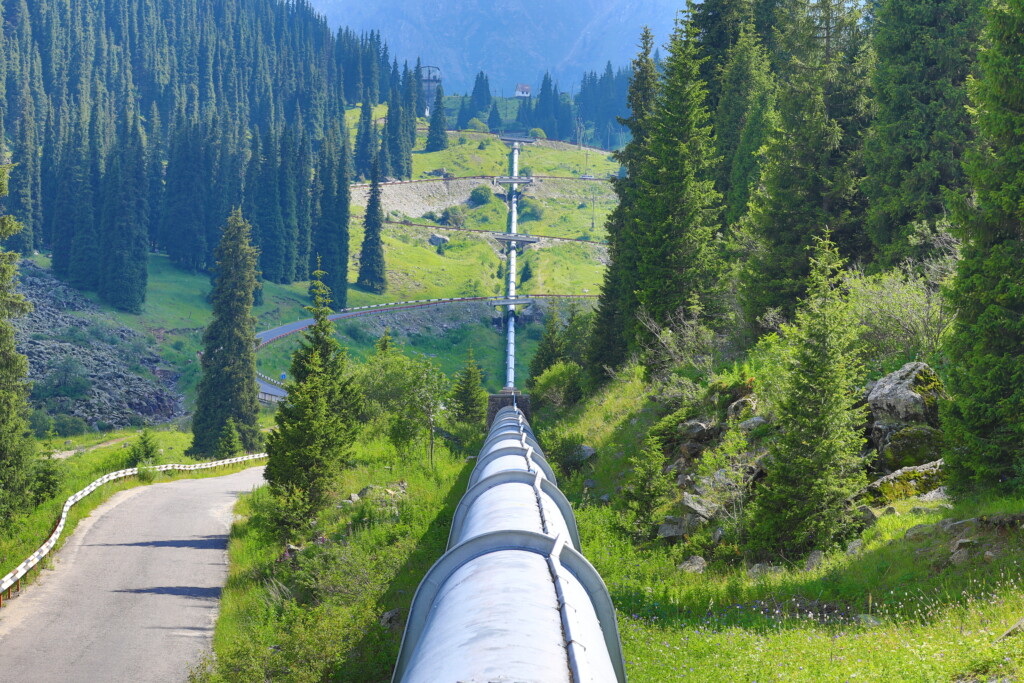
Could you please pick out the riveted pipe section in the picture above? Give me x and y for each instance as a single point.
(513, 598)
(510, 349)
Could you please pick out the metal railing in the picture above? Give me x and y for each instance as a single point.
(13, 580)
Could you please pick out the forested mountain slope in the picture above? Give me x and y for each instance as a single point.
(514, 41)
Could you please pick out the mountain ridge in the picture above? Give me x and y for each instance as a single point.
(463, 37)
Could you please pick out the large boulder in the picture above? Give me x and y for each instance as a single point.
(909, 395)
(904, 426)
(904, 483)
(675, 528)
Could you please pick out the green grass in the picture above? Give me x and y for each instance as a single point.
(937, 622)
(28, 532)
(315, 615)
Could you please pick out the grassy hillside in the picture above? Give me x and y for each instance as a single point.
(176, 309)
(899, 610)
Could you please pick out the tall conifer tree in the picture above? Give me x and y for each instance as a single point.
(366, 140)
(986, 348)
(228, 385)
(15, 445)
(124, 267)
(679, 265)
(469, 400)
(925, 51)
(815, 465)
(316, 425)
(812, 165)
(618, 291)
(372, 272)
(437, 134)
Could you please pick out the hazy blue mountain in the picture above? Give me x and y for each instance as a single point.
(514, 41)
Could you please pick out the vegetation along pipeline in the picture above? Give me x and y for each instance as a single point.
(513, 597)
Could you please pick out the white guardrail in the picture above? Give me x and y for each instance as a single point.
(15, 577)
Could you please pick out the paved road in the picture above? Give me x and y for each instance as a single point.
(135, 593)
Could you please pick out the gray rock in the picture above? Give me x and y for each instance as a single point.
(867, 516)
(392, 620)
(752, 424)
(586, 452)
(436, 240)
(367, 490)
(674, 528)
(354, 498)
(762, 569)
(919, 531)
(744, 406)
(909, 395)
(814, 560)
(694, 565)
(716, 537)
(960, 544)
(939, 495)
(589, 483)
(904, 483)
(990, 556)
(698, 506)
(856, 547)
(889, 512)
(696, 430)
(960, 557)
(605, 499)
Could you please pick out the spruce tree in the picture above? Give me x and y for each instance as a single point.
(925, 52)
(717, 25)
(227, 388)
(812, 164)
(984, 430)
(679, 264)
(480, 100)
(16, 448)
(494, 122)
(316, 425)
(437, 134)
(372, 273)
(229, 445)
(618, 293)
(124, 255)
(549, 350)
(814, 466)
(366, 141)
(744, 122)
(469, 400)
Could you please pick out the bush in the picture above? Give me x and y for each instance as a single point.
(477, 125)
(480, 196)
(563, 448)
(40, 423)
(453, 217)
(47, 480)
(142, 451)
(530, 210)
(538, 133)
(69, 425)
(647, 488)
(560, 386)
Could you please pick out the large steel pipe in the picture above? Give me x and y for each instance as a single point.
(513, 599)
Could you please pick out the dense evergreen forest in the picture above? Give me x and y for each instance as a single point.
(138, 125)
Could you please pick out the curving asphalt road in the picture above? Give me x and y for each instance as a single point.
(136, 591)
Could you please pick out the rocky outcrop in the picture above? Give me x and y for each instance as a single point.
(85, 365)
(904, 483)
(904, 409)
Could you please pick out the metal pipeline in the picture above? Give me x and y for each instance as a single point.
(513, 598)
(510, 350)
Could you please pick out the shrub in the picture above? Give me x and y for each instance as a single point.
(47, 480)
(478, 126)
(144, 450)
(40, 423)
(647, 488)
(560, 386)
(69, 425)
(454, 217)
(530, 210)
(538, 133)
(480, 196)
(563, 448)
